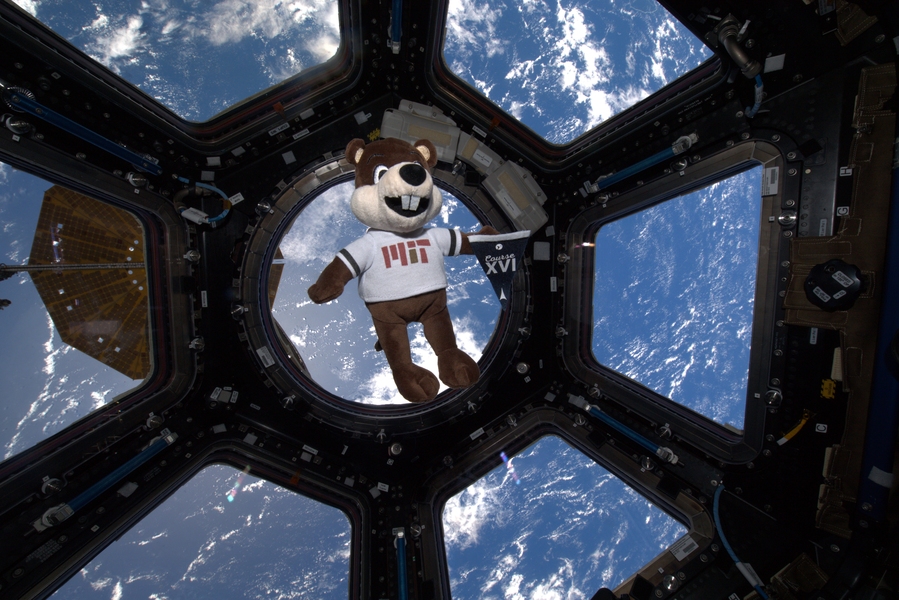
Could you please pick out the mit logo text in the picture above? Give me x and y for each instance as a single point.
(406, 252)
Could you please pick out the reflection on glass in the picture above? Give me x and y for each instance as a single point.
(198, 58)
(79, 335)
(563, 68)
(673, 296)
(198, 544)
(336, 341)
(569, 528)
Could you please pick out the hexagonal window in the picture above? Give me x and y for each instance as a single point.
(336, 341)
(224, 534)
(198, 59)
(563, 68)
(674, 293)
(75, 307)
(550, 523)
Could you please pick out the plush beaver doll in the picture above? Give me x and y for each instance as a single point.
(399, 262)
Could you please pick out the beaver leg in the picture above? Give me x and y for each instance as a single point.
(455, 367)
(414, 383)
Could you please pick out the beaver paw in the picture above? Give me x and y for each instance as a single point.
(415, 384)
(457, 369)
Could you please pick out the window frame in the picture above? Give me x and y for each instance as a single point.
(542, 422)
(697, 430)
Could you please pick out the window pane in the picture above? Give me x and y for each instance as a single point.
(268, 542)
(337, 340)
(567, 529)
(195, 57)
(77, 334)
(563, 68)
(674, 292)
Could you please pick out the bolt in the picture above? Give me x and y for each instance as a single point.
(834, 548)
(778, 353)
(522, 368)
(744, 135)
(790, 203)
(866, 506)
(739, 113)
(792, 172)
(785, 263)
(658, 593)
(766, 453)
(714, 548)
(791, 155)
(704, 558)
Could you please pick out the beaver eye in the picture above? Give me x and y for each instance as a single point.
(379, 172)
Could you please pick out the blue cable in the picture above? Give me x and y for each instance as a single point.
(21, 101)
(107, 482)
(759, 88)
(635, 168)
(750, 577)
(212, 188)
(401, 567)
(630, 433)
(396, 24)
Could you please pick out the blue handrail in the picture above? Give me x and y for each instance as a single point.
(21, 101)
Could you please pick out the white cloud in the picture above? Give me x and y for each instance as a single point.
(466, 513)
(29, 6)
(113, 43)
(232, 20)
(312, 236)
(470, 25)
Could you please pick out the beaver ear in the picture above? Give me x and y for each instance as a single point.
(427, 150)
(354, 151)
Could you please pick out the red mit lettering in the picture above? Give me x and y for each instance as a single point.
(407, 253)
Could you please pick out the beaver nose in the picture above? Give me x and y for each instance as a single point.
(413, 174)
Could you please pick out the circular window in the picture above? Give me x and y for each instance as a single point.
(336, 340)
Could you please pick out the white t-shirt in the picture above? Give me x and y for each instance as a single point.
(393, 266)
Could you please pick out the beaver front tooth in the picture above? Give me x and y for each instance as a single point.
(413, 203)
(406, 200)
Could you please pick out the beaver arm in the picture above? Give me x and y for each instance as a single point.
(330, 283)
(466, 245)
